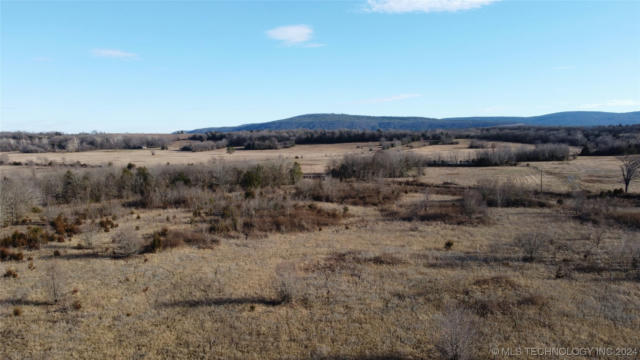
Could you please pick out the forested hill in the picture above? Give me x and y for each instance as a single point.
(362, 122)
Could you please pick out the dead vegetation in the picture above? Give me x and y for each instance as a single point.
(245, 261)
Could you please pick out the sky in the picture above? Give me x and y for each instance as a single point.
(162, 66)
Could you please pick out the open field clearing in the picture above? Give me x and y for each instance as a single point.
(593, 173)
(368, 288)
(246, 259)
(312, 158)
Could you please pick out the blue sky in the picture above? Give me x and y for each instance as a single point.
(151, 66)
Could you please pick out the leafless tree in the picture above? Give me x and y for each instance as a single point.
(457, 334)
(15, 200)
(630, 170)
(532, 244)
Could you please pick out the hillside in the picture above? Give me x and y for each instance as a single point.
(363, 122)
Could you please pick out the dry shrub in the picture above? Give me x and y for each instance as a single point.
(10, 273)
(264, 215)
(347, 261)
(507, 194)
(385, 259)
(289, 284)
(603, 211)
(167, 239)
(351, 193)
(8, 255)
(31, 239)
(127, 242)
(382, 164)
(473, 204)
(450, 212)
(508, 303)
(55, 283)
(63, 226)
(500, 295)
(458, 334)
(532, 244)
(497, 282)
(107, 224)
(534, 300)
(627, 219)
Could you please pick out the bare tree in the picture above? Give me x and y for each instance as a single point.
(630, 170)
(532, 244)
(457, 334)
(15, 199)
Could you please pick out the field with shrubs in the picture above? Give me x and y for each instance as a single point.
(317, 251)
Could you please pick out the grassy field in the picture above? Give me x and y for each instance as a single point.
(593, 173)
(371, 284)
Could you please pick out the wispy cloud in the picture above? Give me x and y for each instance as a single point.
(612, 103)
(389, 99)
(293, 35)
(41, 59)
(405, 6)
(113, 53)
(314, 45)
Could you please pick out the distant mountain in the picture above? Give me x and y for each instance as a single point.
(362, 122)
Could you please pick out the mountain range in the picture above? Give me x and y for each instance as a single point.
(363, 122)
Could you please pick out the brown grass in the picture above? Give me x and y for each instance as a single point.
(304, 280)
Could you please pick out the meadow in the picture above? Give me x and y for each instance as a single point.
(158, 254)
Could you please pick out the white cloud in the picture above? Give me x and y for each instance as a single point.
(612, 103)
(390, 98)
(292, 34)
(113, 53)
(404, 6)
(314, 45)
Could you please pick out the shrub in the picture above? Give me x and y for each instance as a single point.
(31, 239)
(17, 311)
(507, 194)
(473, 204)
(351, 193)
(457, 334)
(7, 255)
(127, 243)
(385, 164)
(10, 273)
(288, 284)
(532, 244)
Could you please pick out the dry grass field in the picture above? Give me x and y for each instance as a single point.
(593, 173)
(369, 284)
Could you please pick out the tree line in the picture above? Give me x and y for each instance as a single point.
(58, 142)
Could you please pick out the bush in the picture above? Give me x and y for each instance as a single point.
(10, 273)
(351, 193)
(473, 204)
(288, 284)
(31, 239)
(457, 334)
(7, 255)
(385, 164)
(167, 239)
(532, 244)
(127, 243)
(507, 194)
